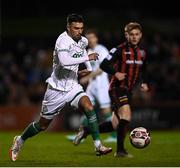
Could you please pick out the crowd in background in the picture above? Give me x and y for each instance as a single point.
(24, 67)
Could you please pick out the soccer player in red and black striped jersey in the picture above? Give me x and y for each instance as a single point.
(127, 65)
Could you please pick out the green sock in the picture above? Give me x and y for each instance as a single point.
(84, 120)
(107, 116)
(93, 124)
(31, 130)
(113, 134)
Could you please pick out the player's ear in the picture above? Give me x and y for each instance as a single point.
(141, 35)
(68, 27)
(126, 35)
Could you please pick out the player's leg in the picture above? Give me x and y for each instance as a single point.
(103, 98)
(86, 105)
(121, 99)
(52, 103)
(31, 130)
(82, 101)
(84, 126)
(124, 115)
(90, 91)
(107, 125)
(76, 138)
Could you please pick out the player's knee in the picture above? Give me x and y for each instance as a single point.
(125, 112)
(44, 127)
(89, 107)
(86, 104)
(126, 116)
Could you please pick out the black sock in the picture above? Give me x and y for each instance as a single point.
(106, 127)
(121, 134)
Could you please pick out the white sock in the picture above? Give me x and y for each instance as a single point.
(97, 143)
(21, 141)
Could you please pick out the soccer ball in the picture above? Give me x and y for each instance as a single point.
(139, 137)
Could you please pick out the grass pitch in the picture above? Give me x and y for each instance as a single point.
(53, 149)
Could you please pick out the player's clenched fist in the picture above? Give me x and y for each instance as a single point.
(93, 56)
(120, 76)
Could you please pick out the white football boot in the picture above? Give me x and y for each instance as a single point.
(16, 147)
(102, 150)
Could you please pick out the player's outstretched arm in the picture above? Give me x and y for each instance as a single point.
(67, 60)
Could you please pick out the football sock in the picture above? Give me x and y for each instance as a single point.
(84, 120)
(97, 143)
(93, 124)
(20, 140)
(113, 134)
(106, 127)
(31, 130)
(107, 116)
(121, 134)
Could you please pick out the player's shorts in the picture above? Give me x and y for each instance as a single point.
(99, 93)
(120, 97)
(55, 100)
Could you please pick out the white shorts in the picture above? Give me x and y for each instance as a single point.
(99, 92)
(55, 100)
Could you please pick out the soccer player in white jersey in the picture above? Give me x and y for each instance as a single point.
(63, 87)
(98, 86)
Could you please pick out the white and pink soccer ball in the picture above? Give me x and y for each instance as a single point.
(140, 137)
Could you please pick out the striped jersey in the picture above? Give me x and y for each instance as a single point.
(128, 59)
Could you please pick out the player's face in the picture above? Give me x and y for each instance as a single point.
(92, 40)
(75, 30)
(134, 36)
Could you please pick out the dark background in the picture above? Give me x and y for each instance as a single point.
(28, 31)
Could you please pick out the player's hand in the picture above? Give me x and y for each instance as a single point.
(83, 73)
(93, 56)
(84, 80)
(144, 87)
(120, 76)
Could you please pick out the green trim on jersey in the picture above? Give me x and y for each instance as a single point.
(76, 96)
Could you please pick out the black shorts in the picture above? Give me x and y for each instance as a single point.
(120, 97)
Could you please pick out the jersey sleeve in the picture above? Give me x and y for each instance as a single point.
(107, 64)
(103, 54)
(87, 63)
(65, 58)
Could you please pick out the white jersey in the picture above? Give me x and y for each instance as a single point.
(97, 89)
(67, 56)
(103, 53)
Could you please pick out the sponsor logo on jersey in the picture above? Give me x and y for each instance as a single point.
(134, 62)
(77, 55)
(127, 52)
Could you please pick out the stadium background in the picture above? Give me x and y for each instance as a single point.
(27, 36)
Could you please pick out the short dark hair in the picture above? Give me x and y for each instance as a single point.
(74, 18)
